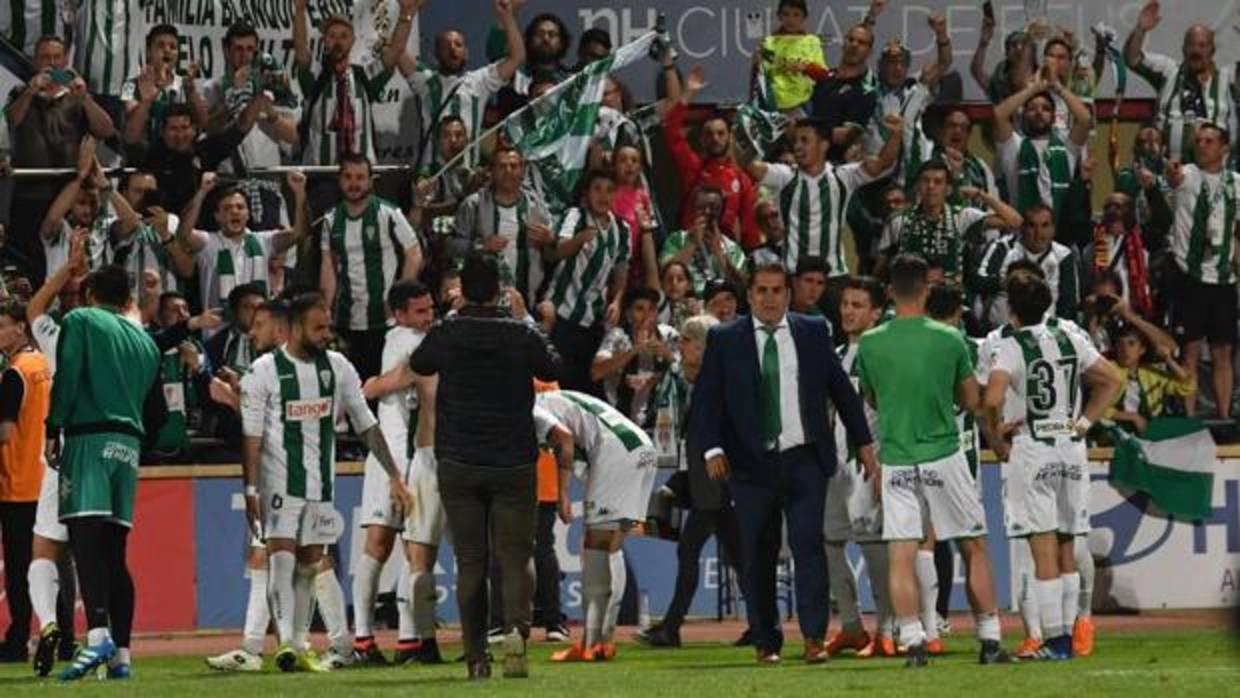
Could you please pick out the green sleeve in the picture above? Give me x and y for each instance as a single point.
(375, 85)
(305, 79)
(672, 246)
(964, 362)
(70, 362)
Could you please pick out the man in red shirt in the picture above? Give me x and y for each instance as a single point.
(713, 166)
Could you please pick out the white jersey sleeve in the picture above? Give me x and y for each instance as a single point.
(257, 391)
(349, 394)
(778, 175)
(544, 422)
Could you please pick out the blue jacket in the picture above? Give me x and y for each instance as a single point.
(727, 407)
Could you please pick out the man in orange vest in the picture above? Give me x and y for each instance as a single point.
(25, 390)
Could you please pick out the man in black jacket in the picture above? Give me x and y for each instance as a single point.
(486, 451)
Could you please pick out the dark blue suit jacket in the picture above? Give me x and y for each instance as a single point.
(727, 406)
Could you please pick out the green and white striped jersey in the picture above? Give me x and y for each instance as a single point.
(813, 208)
(1177, 116)
(225, 263)
(23, 22)
(1204, 224)
(172, 93)
(845, 454)
(521, 264)
(369, 253)
(293, 405)
(317, 94)
(600, 433)
(1045, 366)
(579, 287)
(465, 95)
(107, 36)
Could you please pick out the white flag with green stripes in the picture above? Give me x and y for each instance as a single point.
(554, 131)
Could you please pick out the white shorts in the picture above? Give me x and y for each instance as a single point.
(618, 488)
(1047, 488)
(47, 515)
(306, 522)
(427, 524)
(940, 493)
(852, 514)
(378, 509)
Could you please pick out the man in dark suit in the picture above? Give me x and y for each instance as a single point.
(760, 416)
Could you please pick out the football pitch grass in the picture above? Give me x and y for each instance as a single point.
(1165, 663)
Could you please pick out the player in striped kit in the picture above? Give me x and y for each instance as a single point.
(852, 514)
(290, 401)
(1036, 377)
(413, 309)
(367, 245)
(616, 461)
(452, 90)
(1022, 564)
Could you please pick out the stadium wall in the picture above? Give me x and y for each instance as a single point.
(188, 545)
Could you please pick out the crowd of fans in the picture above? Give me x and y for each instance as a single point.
(873, 163)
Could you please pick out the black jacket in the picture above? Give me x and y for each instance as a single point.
(484, 405)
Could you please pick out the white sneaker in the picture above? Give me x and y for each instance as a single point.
(237, 660)
(334, 661)
(945, 627)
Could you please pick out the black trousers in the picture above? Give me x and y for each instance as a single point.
(490, 508)
(547, 610)
(99, 551)
(17, 537)
(699, 525)
(546, 570)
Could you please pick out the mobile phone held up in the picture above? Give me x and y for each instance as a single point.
(60, 76)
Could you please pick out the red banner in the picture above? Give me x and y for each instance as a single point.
(161, 559)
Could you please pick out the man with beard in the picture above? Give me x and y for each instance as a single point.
(452, 90)
(1038, 165)
(712, 165)
(368, 243)
(546, 43)
(156, 87)
(111, 224)
(290, 402)
(337, 101)
(1191, 91)
(236, 255)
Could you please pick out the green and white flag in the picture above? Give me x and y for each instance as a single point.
(555, 130)
(1173, 461)
(757, 122)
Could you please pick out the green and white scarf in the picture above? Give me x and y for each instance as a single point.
(253, 260)
(938, 240)
(1030, 168)
(1207, 246)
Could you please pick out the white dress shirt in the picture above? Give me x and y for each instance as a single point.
(792, 431)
